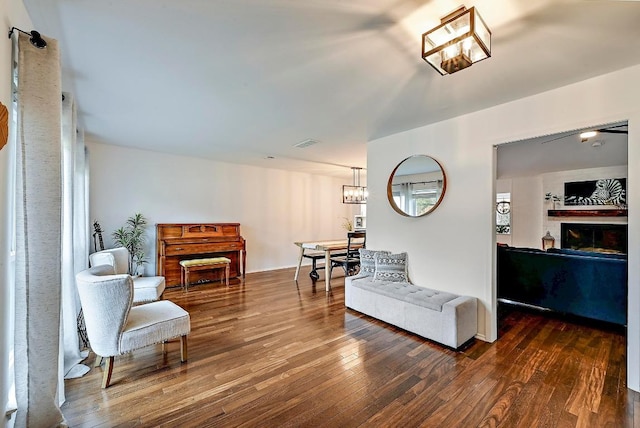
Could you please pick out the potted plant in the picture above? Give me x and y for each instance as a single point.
(132, 236)
(347, 224)
(553, 198)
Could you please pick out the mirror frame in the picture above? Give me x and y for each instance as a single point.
(395, 207)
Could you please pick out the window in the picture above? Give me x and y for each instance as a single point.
(417, 198)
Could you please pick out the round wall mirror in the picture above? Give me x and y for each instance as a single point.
(416, 186)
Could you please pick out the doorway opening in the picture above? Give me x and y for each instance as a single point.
(540, 175)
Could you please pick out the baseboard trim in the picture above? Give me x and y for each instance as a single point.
(481, 337)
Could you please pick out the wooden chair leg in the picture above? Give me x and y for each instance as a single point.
(183, 348)
(97, 361)
(108, 369)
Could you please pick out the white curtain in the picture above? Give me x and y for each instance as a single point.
(7, 270)
(406, 198)
(38, 234)
(7, 251)
(75, 225)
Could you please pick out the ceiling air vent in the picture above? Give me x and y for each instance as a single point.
(305, 143)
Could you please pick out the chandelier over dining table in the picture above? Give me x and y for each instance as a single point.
(355, 193)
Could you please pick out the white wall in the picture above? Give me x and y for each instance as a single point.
(554, 183)
(526, 221)
(527, 200)
(453, 248)
(13, 14)
(274, 207)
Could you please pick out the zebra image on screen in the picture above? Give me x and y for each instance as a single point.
(606, 191)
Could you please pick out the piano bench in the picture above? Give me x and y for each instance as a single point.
(188, 266)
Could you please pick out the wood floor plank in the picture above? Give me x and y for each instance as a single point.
(482, 408)
(273, 352)
(500, 410)
(457, 406)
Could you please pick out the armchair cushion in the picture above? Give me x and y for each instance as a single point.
(103, 258)
(116, 257)
(153, 323)
(147, 288)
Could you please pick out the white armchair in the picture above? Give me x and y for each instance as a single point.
(116, 327)
(145, 288)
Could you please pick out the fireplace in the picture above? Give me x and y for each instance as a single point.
(603, 238)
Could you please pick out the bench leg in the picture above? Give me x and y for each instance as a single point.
(226, 274)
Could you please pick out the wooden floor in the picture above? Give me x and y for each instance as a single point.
(270, 353)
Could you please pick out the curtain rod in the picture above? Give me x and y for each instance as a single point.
(419, 182)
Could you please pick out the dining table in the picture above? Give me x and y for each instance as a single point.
(327, 247)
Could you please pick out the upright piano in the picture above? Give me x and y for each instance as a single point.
(176, 242)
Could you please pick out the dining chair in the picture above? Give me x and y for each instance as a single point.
(350, 261)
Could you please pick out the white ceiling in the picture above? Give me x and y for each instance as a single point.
(563, 152)
(244, 80)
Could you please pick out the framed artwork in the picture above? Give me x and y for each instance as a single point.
(606, 191)
(359, 222)
(503, 213)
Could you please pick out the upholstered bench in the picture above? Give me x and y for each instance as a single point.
(442, 317)
(188, 266)
(382, 290)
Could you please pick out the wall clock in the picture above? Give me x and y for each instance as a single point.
(503, 207)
